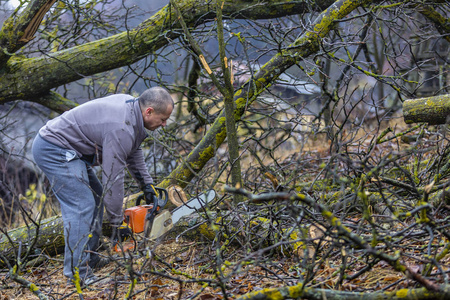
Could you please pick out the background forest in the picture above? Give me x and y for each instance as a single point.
(292, 111)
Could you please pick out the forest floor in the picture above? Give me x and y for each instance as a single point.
(190, 271)
(185, 269)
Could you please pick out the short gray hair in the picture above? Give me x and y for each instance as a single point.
(156, 97)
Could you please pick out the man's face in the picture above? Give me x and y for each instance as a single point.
(154, 120)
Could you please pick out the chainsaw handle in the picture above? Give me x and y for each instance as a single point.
(163, 195)
(158, 202)
(161, 201)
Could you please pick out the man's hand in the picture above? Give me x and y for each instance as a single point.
(149, 192)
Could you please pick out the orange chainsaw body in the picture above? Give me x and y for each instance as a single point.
(135, 217)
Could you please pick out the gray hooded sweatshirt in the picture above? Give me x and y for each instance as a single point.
(109, 131)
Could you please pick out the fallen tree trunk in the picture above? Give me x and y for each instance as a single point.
(47, 238)
(301, 292)
(431, 110)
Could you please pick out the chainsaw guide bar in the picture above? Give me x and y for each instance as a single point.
(165, 220)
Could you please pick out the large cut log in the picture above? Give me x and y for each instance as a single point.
(46, 238)
(432, 110)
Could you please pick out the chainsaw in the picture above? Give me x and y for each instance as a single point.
(152, 221)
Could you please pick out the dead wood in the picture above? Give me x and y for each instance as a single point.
(301, 292)
(431, 110)
(46, 238)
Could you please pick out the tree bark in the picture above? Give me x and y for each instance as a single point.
(230, 124)
(431, 110)
(50, 239)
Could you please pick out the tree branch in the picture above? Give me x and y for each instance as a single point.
(301, 292)
(305, 45)
(24, 79)
(18, 30)
(441, 23)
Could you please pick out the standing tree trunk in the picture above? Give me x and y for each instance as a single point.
(233, 144)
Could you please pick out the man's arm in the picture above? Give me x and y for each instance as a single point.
(138, 169)
(115, 152)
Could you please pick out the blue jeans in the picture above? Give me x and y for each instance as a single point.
(79, 192)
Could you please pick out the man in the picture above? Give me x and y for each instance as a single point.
(107, 131)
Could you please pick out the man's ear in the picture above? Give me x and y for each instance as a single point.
(149, 110)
